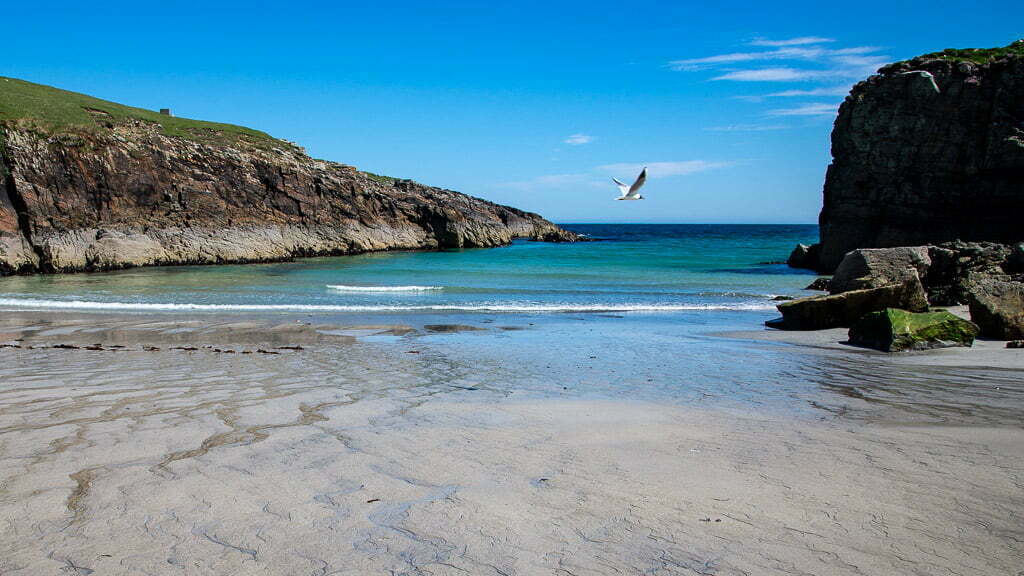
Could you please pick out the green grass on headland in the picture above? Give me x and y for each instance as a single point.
(977, 55)
(59, 112)
(379, 178)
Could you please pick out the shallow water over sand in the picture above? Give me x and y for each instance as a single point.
(486, 444)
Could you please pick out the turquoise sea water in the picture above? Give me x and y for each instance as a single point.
(640, 313)
(632, 268)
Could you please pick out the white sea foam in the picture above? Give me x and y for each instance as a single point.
(347, 288)
(39, 304)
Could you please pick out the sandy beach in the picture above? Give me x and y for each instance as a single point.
(453, 289)
(153, 445)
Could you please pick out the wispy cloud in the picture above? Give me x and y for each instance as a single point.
(735, 57)
(810, 61)
(578, 139)
(817, 109)
(746, 128)
(556, 181)
(598, 177)
(774, 75)
(800, 41)
(664, 169)
(810, 54)
(827, 91)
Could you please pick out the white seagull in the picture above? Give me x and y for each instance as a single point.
(632, 192)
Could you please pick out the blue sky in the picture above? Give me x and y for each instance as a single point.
(533, 104)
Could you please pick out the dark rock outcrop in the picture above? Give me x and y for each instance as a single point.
(823, 284)
(804, 256)
(131, 195)
(893, 330)
(1015, 261)
(842, 310)
(998, 308)
(927, 151)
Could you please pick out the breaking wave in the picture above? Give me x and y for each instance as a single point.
(348, 288)
(39, 304)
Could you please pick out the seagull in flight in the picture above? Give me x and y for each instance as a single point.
(632, 192)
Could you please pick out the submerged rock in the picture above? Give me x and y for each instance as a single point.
(842, 310)
(998, 308)
(875, 267)
(894, 330)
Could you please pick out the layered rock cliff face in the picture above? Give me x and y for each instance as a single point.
(929, 150)
(129, 194)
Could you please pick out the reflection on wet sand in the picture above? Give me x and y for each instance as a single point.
(490, 452)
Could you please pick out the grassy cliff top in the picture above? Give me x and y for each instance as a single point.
(52, 110)
(977, 55)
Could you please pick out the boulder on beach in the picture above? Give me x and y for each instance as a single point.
(842, 310)
(956, 266)
(876, 267)
(894, 330)
(997, 307)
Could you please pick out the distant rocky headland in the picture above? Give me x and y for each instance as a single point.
(93, 185)
(922, 205)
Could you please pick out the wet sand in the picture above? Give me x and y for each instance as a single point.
(985, 353)
(390, 448)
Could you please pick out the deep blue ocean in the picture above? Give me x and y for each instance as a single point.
(630, 268)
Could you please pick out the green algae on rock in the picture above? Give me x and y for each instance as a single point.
(895, 330)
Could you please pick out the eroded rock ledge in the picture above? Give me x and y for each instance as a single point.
(133, 196)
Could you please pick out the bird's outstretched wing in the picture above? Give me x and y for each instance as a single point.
(623, 189)
(639, 182)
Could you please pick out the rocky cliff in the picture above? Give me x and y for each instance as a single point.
(927, 151)
(92, 185)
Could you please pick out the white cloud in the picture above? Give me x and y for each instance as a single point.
(556, 181)
(810, 54)
(801, 41)
(734, 57)
(746, 128)
(773, 75)
(664, 169)
(818, 109)
(850, 62)
(828, 91)
(579, 139)
(854, 50)
(598, 177)
(859, 66)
